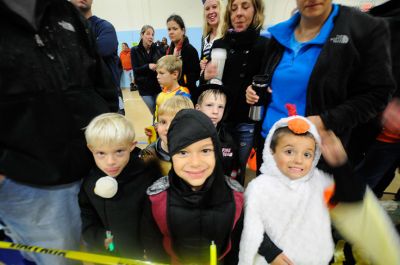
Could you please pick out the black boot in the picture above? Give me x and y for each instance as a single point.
(134, 87)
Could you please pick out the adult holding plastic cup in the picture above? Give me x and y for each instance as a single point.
(213, 13)
(244, 48)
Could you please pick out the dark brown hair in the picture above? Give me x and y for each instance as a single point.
(285, 131)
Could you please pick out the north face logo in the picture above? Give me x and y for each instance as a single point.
(343, 39)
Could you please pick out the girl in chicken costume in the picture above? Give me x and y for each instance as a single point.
(293, 202)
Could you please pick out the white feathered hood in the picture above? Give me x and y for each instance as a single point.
(291, 212)
(269, 167)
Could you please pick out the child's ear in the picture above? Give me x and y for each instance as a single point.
(271, 151)
(175, 74)
(133, 145)
(197, 107)
(90, 147)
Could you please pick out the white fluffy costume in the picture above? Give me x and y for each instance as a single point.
(291, 212)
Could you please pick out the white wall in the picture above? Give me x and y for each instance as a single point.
(278, 10)
(133, 14)
(128, 16)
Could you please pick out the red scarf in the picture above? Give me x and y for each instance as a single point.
(177, 49)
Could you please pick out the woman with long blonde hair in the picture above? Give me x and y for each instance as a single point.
(213, 15)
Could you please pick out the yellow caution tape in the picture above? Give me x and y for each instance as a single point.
(75, 255)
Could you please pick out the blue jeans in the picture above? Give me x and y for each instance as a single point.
(150, 102)
(245, 136)
(41, 216)
(126, 78)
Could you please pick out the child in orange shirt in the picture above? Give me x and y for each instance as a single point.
(169, 69)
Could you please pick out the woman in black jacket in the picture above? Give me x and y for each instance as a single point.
(144, 61)
(181, 48)
(338, 72)
(245, 49)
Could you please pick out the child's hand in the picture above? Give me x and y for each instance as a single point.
(148, 131)
(332, 149)
(281, 259)
(107, 242)
(151, 134)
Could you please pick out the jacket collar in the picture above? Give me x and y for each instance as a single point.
(282, 32)
(39, 9)
(160, 152)
(243, 38)
(141, 46)
(184, 44)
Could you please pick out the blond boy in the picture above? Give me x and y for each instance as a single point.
(169, 70)
(159, 149)
(112, 194)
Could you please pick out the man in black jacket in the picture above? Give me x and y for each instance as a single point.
(106, 44)
(51, 86)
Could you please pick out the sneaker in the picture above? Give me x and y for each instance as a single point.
(134, 87)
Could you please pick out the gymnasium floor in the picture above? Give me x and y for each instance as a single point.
(137, 113)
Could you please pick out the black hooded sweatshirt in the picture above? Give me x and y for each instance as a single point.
(194, 218)
(120, 214)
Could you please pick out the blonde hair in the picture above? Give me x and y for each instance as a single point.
(109, 129)
(171, 63)
(258, 19)
(175, 104)
(207, 29)
(211, 92)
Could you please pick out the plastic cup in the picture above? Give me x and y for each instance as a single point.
(218, 57)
